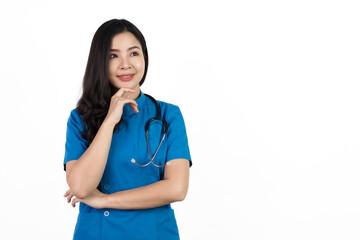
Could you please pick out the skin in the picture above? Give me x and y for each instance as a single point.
(126, 58)
(83, 175)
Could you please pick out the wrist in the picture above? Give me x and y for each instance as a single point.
(113, 201)
(108, 123)
(109, 201)
(106, 201)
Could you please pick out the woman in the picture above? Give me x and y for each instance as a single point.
(124, 190)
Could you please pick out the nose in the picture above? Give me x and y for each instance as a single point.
(124, 63)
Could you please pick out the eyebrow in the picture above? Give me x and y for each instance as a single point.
(130, 48)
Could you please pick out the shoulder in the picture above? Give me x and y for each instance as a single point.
(168, 106)
(169, 110)
(75, 118)
(74, 115)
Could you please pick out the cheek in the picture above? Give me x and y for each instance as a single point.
(140, 65)
(112, 69)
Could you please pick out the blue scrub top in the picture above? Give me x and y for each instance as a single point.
(120, 173)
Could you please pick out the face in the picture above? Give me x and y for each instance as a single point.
(126, 64)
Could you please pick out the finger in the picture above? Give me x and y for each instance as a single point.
(121, 91)
(124, 101)
(134, 108)
(69, 197)
(74, 201)
(133, 104)
(67, 193)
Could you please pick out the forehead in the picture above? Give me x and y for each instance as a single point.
(124, 41)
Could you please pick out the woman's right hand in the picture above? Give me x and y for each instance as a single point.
(117, 104)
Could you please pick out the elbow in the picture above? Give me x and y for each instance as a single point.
(79, 192)
(181, 197)
(77, 189)
(180, 193)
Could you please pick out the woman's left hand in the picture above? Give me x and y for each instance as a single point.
(96, 199)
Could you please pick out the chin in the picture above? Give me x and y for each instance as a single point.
(131, 86)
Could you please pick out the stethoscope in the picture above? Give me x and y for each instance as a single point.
(164, 131)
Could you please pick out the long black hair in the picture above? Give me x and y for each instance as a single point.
(97, 90)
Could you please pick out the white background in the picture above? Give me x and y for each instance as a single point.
(270, 95)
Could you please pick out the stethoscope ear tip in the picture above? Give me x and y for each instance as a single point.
(133, 161)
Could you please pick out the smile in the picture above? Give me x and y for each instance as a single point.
(126, 78)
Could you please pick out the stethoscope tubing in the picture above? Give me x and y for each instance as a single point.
(164, 132)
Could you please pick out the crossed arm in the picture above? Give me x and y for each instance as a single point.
(173, 188)
(83, 176)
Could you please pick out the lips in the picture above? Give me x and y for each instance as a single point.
(126, 78)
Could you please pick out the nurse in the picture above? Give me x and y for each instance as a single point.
(106, 145)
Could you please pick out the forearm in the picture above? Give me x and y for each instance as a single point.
(85, 173)
(154, 195)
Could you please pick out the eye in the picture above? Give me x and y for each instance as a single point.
(134, 54)
(113, 55)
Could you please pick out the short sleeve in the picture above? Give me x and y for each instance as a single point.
(75, 144)
(177, 141)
